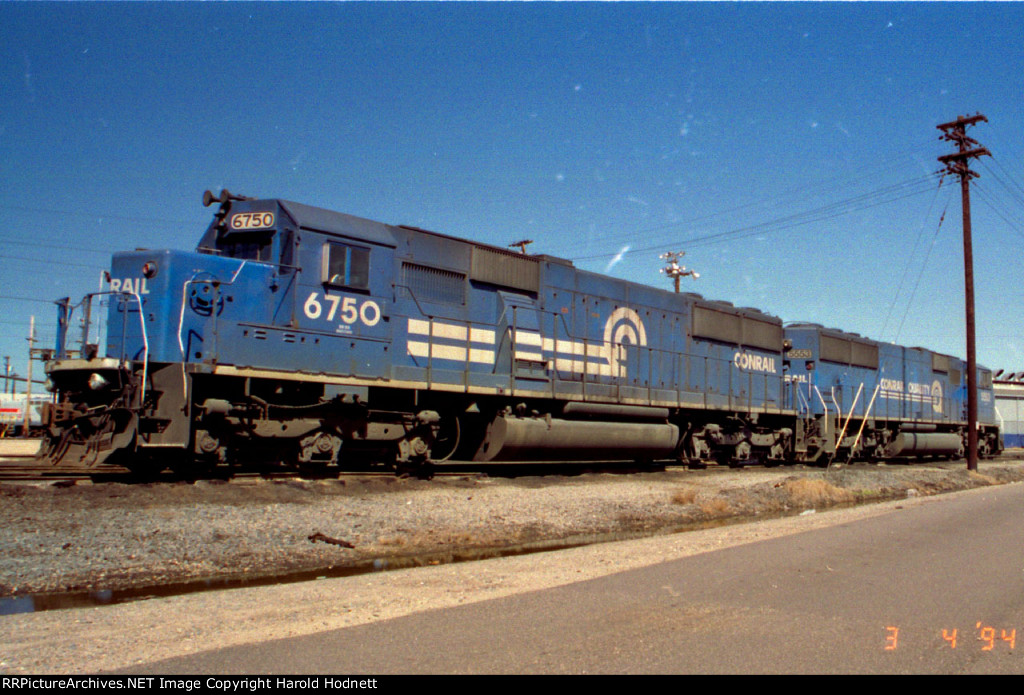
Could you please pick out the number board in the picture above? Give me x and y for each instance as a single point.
(252, 220)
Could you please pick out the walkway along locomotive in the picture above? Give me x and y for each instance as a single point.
(297, 334)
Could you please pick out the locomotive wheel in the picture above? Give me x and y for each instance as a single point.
(144, 468)
(148, 465)
(188, 467)
(725, 458)
(424, 470)
(690, 453)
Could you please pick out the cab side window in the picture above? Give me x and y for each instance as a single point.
(346, 266)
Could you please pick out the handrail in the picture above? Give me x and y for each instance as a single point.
(145, 348)
(181, 318)
(142, 325)
(802, 398)
(824, 407)
(842, 433)
(864, 422)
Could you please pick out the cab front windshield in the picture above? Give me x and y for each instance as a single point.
(249, 246)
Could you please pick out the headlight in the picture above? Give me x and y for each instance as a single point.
(97, 382)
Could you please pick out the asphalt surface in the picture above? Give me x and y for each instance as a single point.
(878, 595)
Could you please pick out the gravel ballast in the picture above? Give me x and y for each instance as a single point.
(116, 536)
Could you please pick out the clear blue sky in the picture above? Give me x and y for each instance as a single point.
(803, 134)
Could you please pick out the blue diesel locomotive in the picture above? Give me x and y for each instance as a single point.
(301, 335)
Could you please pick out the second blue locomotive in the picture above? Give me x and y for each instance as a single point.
(297, 334)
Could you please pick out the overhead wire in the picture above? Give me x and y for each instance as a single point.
(880, 196)
(913, 253)
(986, 197)
(845, 180)
(1014, 195)
(924, 265)
(93, 215)
(1002, 149)
(49, 261)
(37, 244)
(645, 234)
(26, 299)
(1008, 175)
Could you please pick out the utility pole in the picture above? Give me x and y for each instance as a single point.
(674, 270)
(956, 132)
(7, 373)
(28, 379)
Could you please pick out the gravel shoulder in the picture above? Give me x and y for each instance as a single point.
(112, 536)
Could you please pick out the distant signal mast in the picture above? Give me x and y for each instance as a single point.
(674, 270)
(521, 245)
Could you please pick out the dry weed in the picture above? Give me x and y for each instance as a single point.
(715, 507)
(982, 478)
(684, 495)
(809, 492)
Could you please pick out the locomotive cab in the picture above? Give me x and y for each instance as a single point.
(202, 349)
(249, 234)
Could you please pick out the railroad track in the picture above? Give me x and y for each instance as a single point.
(27, 469)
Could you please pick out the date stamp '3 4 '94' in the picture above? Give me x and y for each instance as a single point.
(986, 637)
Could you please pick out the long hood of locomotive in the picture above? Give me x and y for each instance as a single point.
(234, 314)
(844, 373)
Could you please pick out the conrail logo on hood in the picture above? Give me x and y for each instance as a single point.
(130, 285)
(913, 392)
(757, 363)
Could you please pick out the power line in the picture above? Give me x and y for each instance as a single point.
(860, 202)
(1008, 175)
(38, 244)
(846, 179)
(1014, 195)
(924, 266)
(1007, 150)
(50, 261)
(985, 196)
(906, 266)
(26, 299)
(104, 216)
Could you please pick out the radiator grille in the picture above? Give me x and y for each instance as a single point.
(434, 284)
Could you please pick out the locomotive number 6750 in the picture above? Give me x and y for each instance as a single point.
(351, 310)
(252, 220)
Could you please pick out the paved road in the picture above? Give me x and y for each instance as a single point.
(881, 595)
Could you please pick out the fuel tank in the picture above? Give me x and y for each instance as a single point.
(930, 443)
(519, 439)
